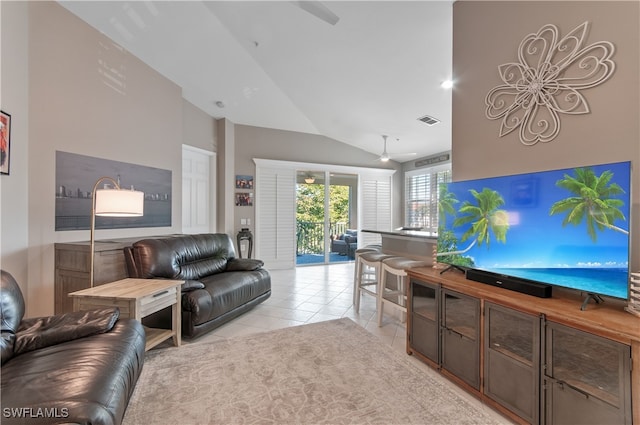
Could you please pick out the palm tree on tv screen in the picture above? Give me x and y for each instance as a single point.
(446, 200)
(593, 203)
(447, 245)
(485, 217)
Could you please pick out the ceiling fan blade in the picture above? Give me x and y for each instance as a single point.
(319, 10)
(397, 156)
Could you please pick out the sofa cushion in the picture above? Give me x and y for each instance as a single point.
(188, 257)
(41, 332)
(223, 292)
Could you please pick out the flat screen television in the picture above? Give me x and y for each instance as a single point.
(567, 227)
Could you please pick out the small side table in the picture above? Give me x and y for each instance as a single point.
(137, 298)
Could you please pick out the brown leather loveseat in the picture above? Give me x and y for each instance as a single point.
(218, 286)
(79, 367)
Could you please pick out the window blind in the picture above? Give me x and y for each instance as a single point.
(275, 218)
(421, 196)
(375, 192)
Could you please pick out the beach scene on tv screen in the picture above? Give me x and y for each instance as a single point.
(567, 227)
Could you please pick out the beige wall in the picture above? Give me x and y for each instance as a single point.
(54, 86)
(198, 128)
(74, 108)
(487, 34)
(14, 91)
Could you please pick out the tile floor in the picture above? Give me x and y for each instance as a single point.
(324, 292)
(312, 294)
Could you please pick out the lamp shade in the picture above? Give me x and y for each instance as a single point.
(119, 203)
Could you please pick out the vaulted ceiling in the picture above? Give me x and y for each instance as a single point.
(278, 65)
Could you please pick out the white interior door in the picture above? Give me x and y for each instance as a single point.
(197, 190)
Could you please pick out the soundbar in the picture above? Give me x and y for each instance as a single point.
(524, 286)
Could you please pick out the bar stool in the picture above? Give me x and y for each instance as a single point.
(368, 265)
(396, 266)
(358, 265)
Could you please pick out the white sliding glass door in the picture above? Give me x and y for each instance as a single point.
(275, 188)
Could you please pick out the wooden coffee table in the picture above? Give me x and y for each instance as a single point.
(137, 298)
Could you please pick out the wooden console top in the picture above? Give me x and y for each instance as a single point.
(607, 319)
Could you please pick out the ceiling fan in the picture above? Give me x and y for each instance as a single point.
(385, 156)
(319, 10)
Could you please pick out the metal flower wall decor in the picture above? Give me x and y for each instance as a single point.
(547, 81)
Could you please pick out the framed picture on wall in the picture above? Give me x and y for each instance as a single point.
(244, 182)
(5, 142)
(244, 199)
(75, 176)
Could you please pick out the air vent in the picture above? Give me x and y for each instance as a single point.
(429, 120)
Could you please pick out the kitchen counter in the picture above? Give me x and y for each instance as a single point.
(409, 233)
(410, 243)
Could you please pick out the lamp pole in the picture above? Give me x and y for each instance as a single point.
(93, 221)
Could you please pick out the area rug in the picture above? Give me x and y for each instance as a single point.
(331, 372)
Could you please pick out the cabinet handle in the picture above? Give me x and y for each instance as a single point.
(578, 390)
(160, 293)
(451, 331)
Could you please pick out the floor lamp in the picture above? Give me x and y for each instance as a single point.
(112, 202)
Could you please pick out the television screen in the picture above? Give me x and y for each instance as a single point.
(567, 227)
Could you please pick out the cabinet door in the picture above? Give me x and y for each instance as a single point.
(512, 360)
(587, 378)
(460, 337)
(424, 332)
(72, 264)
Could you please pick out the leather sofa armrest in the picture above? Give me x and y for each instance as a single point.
(40, 332)
(7, 340)
(191, 285)
(132, 270)
(243, 264)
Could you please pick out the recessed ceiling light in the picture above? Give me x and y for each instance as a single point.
(447, 84)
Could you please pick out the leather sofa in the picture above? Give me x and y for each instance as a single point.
(79, 367)
(218, 286)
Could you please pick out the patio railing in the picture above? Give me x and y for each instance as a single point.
(310, 235)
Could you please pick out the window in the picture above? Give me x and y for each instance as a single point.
(421, 196)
